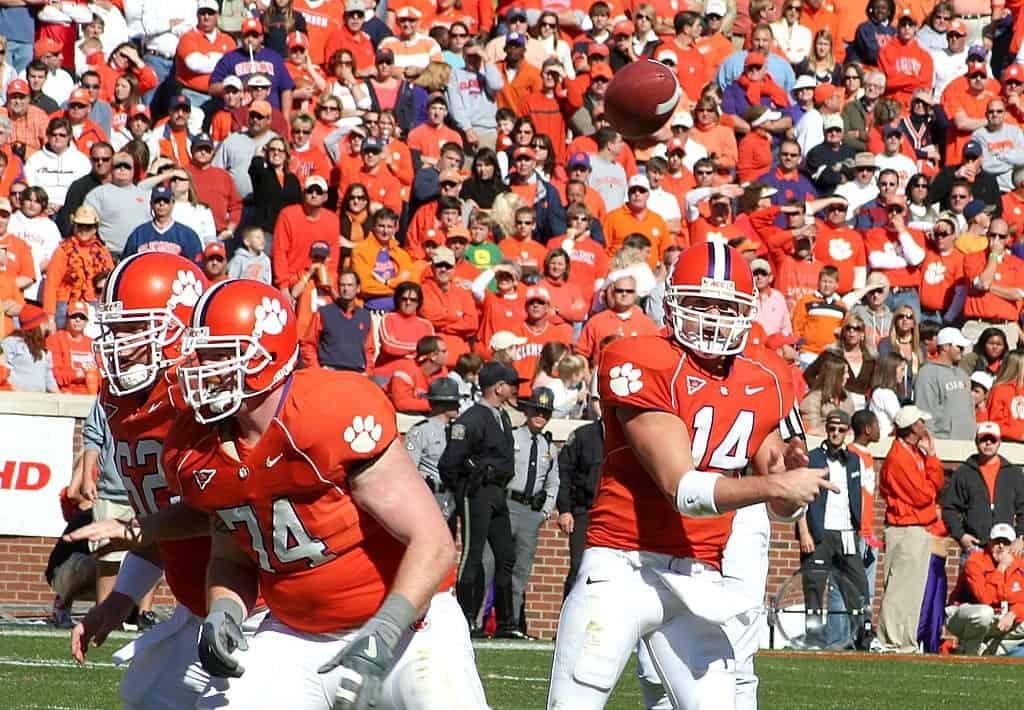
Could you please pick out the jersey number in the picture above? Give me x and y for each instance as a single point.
(731, 454)
(144, 457)
(290, 540)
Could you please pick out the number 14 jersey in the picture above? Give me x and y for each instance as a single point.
(727, 417)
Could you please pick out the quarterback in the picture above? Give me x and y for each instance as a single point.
(316, 503)
(684, 415)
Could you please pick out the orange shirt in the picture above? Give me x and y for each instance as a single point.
(985, 304)
(910, 483)
(526, 81)
(825, 17)
(720, 143)
(588, 262)
(883, 240)
(1006, 408)
(17, 257)
(195, 41)
(547, 115)
(907, 67)
(428, 139)
(72, 358)
(630, 324)
(294, 234)
(366, 264)
(359, 44)
(311, 161)
(622, 222)
(956, 99)
(322, 23)
(398, 158)
(380, 185)
(528, 253)
(1013, 212)
(755, 156)
(715, 48)
(398, 335)
(940, 274)
(842, 248)
(500, 312)
(453, 314)
(525, 356)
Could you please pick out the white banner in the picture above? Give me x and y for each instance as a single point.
(36, 455)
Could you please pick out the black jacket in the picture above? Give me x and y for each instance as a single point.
(269, 196)
(967, 508)
(75, 198)
(579, 468)
(476, 443)
(984, 188)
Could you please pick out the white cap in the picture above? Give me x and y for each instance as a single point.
(715, 7)
(765, 117)
(232, 81)
(989, 429)
(805, 81)
(1002, 531)
(208, 5)
(952, 336)
(640, 181)
(910, 415)
(682, 118)
(832, 120)
(985, 379)
(505, 339)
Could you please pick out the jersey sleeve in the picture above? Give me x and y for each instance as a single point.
(638, 372)
(363, 420)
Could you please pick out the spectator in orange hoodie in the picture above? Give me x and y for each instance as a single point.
(907, 66)
(74, 365)
(910, 481)
(449, 309)
(380, 262)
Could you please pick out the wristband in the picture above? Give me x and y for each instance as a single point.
(795, 516)
(136, 577)
(231, 608)
(695, 494)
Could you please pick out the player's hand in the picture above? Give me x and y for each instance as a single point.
(365, 662)
(99, 622)
(802, 485)
(220, 637)
(566, 523)
(1006, 621)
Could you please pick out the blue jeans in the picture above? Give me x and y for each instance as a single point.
(905, 297)
(932, 315)
(164, 70)
(19, 54)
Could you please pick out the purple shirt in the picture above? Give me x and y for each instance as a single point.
(265, 61)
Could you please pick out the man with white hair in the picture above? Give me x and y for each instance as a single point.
(1002, 145)
(622, 317)
(857, 110)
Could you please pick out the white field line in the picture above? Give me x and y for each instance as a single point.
(52, 663)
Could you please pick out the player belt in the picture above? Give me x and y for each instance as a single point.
(520, 497)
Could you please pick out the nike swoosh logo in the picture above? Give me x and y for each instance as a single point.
(752, 390)
(272, 461)
(155, 406)
(591, 580)
(371, 647)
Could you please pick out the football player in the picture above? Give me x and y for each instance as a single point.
(663, 514)
(144, 312)
(314, 499)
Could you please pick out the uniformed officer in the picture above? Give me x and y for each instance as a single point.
(579, 468)
(427, 439)
(478, 465)
(533, 490)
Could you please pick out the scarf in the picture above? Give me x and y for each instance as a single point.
(766, 87)
(352, 225)
(85, 259)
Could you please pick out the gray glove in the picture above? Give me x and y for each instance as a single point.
(367, 660)
(221, 635)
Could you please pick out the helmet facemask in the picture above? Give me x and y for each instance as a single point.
(719, 330)
(159, 331)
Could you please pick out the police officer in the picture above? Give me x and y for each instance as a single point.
(533, 490)
(579, 467)
(427, 439)
(478, 464)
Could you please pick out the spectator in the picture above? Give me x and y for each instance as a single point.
(235, 154)
(898, 250)
(761, 40)
(484, 182)
(411, 378)
(29, 365)
(566, 296)
(988, 353)
(101, 157)
(991, 579)
(215, 262)
(539, 194)
(36, 232)
(252, 57)
(298, 226)
(401, 329)
(984, 491)
(413, 50)
(905, 340)
(910, 481)
(275, 187)
(943, 280)
(532, 491)
(906, 65)
(716, 138)
(1001, 144)
(917, 201)
(996, 287)
(340, 335)
(860, 361)
(1005, 391)
(56, 165)
(967, 172)
(449, 308)
(215, 185)
(622, 318)
(465, 375)
(28, 122)
(865, 433)
(381, 185)
(943, 390)
(888, 390)
(981, 384)
(198, 51)
(74, 365)
(607, 177)
(250, 261)
(634, 218)
(772, 311)
(539, 328)
(832, 522)
(380, 262)
(828, 393)
(162, 233)
(862, 189)
(121, 204)
(817, 316)
(76, 263)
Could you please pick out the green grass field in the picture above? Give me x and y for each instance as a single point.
(36, 672)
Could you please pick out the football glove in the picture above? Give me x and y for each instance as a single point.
(220, 636)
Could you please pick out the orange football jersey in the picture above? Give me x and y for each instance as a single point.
(139, 425)
(287, 501)
(728, 418)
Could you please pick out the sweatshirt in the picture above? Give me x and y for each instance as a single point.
(246, 265)
(944, 391)
(1002, 153)
(472, 97)
(121, 210)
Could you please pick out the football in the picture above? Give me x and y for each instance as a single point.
(641, 97)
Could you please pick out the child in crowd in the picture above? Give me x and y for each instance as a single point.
(249, 262)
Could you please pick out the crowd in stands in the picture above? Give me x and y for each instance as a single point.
(436, 185)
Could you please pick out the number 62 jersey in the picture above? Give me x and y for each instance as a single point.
(727, 418)
(324, 564)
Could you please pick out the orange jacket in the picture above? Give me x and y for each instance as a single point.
(981, 582)
(513, 95)
(407, 386)
(364, 261)
(1006, 408)
(907, 67)
(398, 335)
(453, 315)
(71, 359)
(910, 483)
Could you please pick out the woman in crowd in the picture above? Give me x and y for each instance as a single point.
(126, 96)
(546, 42)
(921, 210)
(570, 304)
(708, 131)
(384, 88)
(874, 32)
(888, 390)
(550, 170)
(74, 365)
(29, 366)
(401, 329)
(821, 62)
(827, 393)
(860, 362)
(76, 264)
(125, 61)
(188, 210)
(274, 186)
(350, 91)
(564, 374)
(522, 137)
(990, 350)
(484, 182)
(793, 38)
(853, 82)
(354, 210)
(1007, 389)
(905, 340)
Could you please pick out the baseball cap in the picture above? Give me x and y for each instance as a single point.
(85, 214)
(958, 26)
(319, 250)
(976, 207)
(78, 308)
(760, 265)
(676, 145)
(537, 293)
(973, 147)
(457, 232)
(833, 121)
(161, 193)
(408, 13)
(910, 415)
(924, 95)
(754, 59)
(449, 175)
(262, 108)
(837, 416)
(524, 151)
(315, 181)
(443, 389)
(493, 373)
(505, 339)
(982, 379)
(598, 49)
(823, 92)
(443, 255)
(140, 110)
(180, 101)
(215, 249)
(201, 140)
(207, 5)
(232, 82)
(906, 18)
(601, 71)
(516, 39)
(988, 429)
(297, 39)
(372, 145)
(18, 86)
(258, 80)
(1002, 531)
(251, 24)
(355, 6)
(579, 160)
(624, 27)
(31, 316)
(864, 160)
(715, 7)
(891, 131)
(805, 81)
(976, 68)
(5, 206)
(47, 45)
(952, 336)
(1015, 72)
(639, 181)
(80, 96)
(777, 340)
(515, 12)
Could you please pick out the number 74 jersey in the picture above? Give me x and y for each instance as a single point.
(728, 418)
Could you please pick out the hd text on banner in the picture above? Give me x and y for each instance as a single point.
(35, 463)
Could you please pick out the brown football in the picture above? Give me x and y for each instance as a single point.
(641, 97)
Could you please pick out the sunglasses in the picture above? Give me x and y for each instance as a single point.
(301, 131)
(315, 191)
(443, 265)
(851, 77)
(837, 429)
(789, 155)
(100, 159)
(358, 197)
(991, 440)
(955, 35)
(904, 316)
(124, 166)
(535, 301)
(941, 234)
(524, 222)
(998, 235)
(623, 291)
(78, 106)
(854, 328)
(549, 25)
(91, 87)
(408, 299)
(977, 75)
